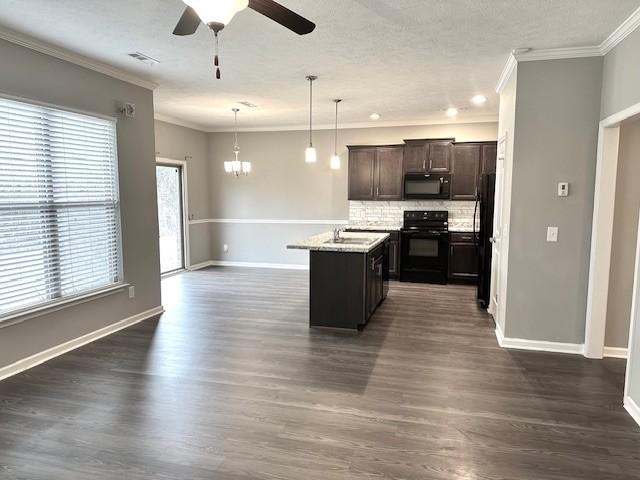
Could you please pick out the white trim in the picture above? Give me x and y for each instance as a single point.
(63, 108)
(542, 346)
(507, 71)
(200, 266)
(41, 357)
(68, 56)
(259, 221)
(277, 266)
(181, 123)
(499, 334)
(615, 352)
(222, 263)
(625, 29)
(635, 315)
(632, 408)
(558, 53)
(185, 204)
(371, 124)
(19, 316)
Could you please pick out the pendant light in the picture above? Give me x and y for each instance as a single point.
(235, 166)
(310, 154)
(334, 163)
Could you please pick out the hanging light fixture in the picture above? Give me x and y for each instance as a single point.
(310, 154)
(334, 163)
(235, 166)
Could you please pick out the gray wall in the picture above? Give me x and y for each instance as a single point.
(557, 115)
(282, 186)
(42, 78)
(621, 76)
(625, 233)
(178, 143)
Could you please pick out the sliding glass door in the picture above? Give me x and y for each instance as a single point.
(170, 217)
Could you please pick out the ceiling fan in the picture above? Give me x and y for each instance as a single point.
(216, 14)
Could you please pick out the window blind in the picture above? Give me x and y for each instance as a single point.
(59, 205)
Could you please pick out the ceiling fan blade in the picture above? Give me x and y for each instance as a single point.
(188, 23)
(283, 16)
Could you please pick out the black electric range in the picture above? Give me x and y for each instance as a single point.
(424, 246)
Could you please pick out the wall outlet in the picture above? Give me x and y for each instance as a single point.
(132, 291)
(225, 248)
(552, 234)
(563, 189)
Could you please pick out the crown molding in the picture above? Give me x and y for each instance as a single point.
(507, 71)
(179, 122)
(346, 126)
(625, 29)
(68, 56)
(558, 53)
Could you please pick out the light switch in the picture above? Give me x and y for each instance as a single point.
(563, 189)
(552, 234)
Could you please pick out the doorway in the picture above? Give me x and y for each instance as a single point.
(172, 225)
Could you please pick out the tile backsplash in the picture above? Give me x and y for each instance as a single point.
(391, 213)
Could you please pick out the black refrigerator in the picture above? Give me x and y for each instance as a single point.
(484, 207)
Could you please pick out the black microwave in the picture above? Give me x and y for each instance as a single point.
(425, 186)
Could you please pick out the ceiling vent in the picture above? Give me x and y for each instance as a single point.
(248, 104)
(146, 59)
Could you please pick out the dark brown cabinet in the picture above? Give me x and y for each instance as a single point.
(428, 156)
(362, 162)
(375, 279)
(375, 173)
(393, 251)
(489, 156)
(465, 171)
(463, 257)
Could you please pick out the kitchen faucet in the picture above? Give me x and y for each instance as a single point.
(336, 233)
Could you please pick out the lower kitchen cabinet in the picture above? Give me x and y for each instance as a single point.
(463, 258)
(393, 253)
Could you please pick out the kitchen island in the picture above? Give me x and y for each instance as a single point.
(349, 274)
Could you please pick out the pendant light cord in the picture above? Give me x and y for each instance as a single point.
(335, 146)
(310, 111)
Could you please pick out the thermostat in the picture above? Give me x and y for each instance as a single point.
(563, 189)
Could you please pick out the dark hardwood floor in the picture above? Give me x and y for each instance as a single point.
(230, 384)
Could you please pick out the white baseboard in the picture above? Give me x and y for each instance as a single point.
(222, 263)
(499, 334)
(41, 357)
(200, 266)
(615, 352)
(538, 345)
(632, 408)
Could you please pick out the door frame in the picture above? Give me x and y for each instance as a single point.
(499, 265)
(602, 232)
(185, 206)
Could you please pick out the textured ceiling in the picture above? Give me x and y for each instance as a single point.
(405, 59)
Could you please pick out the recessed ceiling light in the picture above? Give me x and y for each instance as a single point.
(374, 116)
(452, 112)
(479, 100)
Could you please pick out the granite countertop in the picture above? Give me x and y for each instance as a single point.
(364, 228)
(319, 242)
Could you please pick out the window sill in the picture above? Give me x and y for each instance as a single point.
(19, 316)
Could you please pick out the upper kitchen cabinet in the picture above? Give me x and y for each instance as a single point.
(428, 156)
(465, 170)
(375, 173)
(389, 161)
(362, 165)
(489, 157)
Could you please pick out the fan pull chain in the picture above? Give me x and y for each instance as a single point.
(216, 61)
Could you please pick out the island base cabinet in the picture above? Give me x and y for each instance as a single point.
(345, 288)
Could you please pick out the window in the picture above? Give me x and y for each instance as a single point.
(59, 205)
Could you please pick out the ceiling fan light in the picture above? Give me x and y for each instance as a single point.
(217, 11)
(310, 155)
(334, 163)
